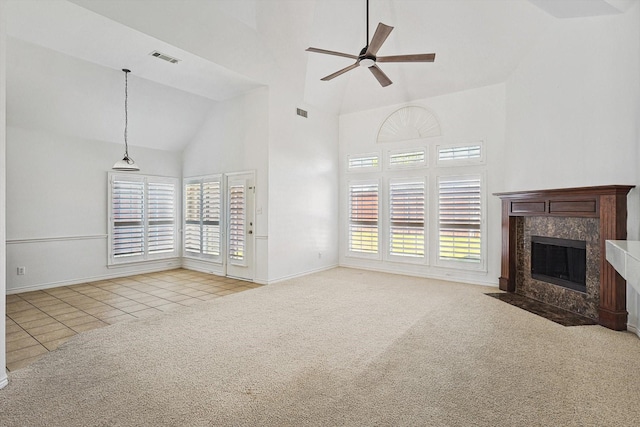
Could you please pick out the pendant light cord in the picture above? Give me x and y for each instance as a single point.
(126, 114)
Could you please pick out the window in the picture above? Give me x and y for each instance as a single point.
(363, 218)
(460, 154)
(459, 218)
(202, 212)
(406, 218)
(142, 218)
(364, 162)
(405, 159)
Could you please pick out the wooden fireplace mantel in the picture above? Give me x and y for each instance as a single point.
(608, 203)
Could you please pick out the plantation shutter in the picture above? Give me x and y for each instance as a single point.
(460, 217)
(237, 206)
(406, 218)
(127, 199)
(211, 201)
(161, 217)
(142, 215)
(192, 217)
(363, 218)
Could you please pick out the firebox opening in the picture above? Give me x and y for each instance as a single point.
(562, 262)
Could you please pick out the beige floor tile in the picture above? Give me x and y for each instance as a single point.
(84, 306)
(54, 335)
(178, 298)
(40, 330)
(52, 345)
(225, 292)
(12, 298)
(13, 336)
(25, 353)
(118, 319)
(28, 315)
(129, 306)
(147, 312)
(41, 304)
(209, 297)
(63, 309)
(71, 315)
(72, 323)
(17, 306)
(9, 321)
(168, 306)
(21, 343)
(103, 308)
(39, 322)
(13, 328)
(89, 326)
(110, 313)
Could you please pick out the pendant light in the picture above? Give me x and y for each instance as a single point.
(127, 163)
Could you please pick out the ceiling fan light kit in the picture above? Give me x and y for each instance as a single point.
(127, 163)
(367, 57)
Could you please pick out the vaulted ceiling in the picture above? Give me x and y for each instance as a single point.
(64, 57)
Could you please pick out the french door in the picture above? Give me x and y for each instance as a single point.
(240, 220)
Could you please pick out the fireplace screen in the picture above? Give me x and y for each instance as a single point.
(559, 261)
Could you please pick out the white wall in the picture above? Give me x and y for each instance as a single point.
(235, 138)
(3, 114)
(57, 207)
(465, 117)
(573, 107)
(303, 189)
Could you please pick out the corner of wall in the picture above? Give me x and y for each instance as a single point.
(3, 113)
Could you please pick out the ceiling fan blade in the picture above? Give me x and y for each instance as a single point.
(381, 34)
(382, 77)
(337, 73)
(331, 52)
(422, 57)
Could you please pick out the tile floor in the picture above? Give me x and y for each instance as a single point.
(40, 321)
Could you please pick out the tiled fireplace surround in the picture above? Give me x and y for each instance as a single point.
(592, 214)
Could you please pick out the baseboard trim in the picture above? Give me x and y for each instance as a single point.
(633, 329)
(150, 269)
(293, 276)
(4, 381)
(203, 266)
(443, 277)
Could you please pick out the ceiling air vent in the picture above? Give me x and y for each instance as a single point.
(302, 113)
(165, 57)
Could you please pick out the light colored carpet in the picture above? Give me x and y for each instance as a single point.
(343, 347)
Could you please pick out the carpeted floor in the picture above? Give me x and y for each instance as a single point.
(343, 347)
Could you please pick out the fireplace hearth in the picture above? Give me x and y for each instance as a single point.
(589, 214)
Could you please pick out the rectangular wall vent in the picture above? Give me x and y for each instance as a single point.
(302, 113)
(164, 57)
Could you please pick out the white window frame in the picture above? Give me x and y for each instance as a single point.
(356, 169)
(392, 153)
(387, 239)
(201, 180)
(462, 264)
(112, 260)
(358, 254)
(460, 162)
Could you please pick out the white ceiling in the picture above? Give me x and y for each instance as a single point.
(65, 57)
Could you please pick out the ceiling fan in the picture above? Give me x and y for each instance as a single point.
(367, 57)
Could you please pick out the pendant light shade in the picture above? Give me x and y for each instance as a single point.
(127, 163)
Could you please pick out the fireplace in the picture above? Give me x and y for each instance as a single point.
(590, 214)
(562, 262)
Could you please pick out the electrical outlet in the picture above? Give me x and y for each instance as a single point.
(22, 271)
